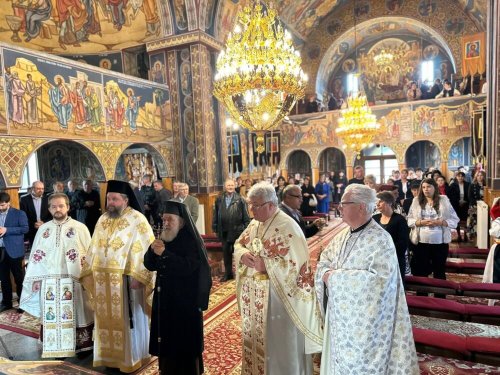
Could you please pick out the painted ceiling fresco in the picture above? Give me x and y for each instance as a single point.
(97, 26)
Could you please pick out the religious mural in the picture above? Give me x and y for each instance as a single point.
(89, 25)
(63, 160)
(443, 121)
(65, 100)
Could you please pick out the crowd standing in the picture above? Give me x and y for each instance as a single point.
(142, 252)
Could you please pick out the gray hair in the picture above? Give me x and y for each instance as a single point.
(263, 190)
(362, 194)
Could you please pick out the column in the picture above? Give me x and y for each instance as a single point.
(493, 115)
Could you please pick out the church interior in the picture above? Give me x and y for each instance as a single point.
(121, 89)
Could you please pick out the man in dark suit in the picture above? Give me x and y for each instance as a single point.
(162, 195)
(36, 207)
(359, 176)
(230, 218)
(13, 226)
(290, 204)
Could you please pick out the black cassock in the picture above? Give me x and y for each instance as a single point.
(176, 308)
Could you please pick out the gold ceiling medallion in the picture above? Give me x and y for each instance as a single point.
(357, 126)
(259, 77)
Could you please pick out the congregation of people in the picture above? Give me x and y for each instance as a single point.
(132, 279)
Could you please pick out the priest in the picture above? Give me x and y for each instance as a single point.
(492, 267)
(275, 290)
(114, 273)
(182, 290)
(367, 325)
(52, 283)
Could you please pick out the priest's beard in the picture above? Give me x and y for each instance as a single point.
(114, 212)
(59, 216)
(168, 235)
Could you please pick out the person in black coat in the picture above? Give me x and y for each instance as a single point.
(182, 292)
(460, 203)
(35, 217)
(404, 186)
(415, 186)
(306, 190)
(395, 224)
(87, 203)
(230, 218)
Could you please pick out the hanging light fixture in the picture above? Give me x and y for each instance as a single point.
(259, 77)
(383, 58)
(357, 126)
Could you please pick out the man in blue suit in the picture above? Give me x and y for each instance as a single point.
(13, 226)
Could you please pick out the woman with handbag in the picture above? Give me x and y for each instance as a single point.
(309, 202)
(431, 219)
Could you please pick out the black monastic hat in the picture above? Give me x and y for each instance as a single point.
(122, 187)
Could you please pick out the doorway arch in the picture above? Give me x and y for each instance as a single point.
(299, 162)
(423, 154)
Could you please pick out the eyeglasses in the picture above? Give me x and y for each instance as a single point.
(257, 206)
(295, 196)
(342, 204)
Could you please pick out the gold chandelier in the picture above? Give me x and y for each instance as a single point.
(383, 58)
(259, 78)
(357, 126)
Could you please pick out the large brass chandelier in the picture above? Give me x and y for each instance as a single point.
(357, 126)
(383, 58)
(259, 77)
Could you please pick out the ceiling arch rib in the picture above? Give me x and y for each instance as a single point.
(345, 44)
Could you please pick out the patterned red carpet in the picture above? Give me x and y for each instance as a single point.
(222, 354)
(24, 324)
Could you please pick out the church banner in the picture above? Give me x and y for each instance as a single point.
(474, 54)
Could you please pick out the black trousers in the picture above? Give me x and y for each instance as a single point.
(430, 258)
(8, 265)
(181, 365)
(227, 253)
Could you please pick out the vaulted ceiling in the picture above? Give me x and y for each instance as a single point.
(97, 27)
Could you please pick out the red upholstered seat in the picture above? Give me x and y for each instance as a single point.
(310, 218)
(483, 344)
(439, 304)
(465, 267)
(213, 246)
(442, 340)
(209, 237)
(432, 282)
(482, 310)
(484, 290)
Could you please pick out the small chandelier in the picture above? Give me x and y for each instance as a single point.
(357, 126)
(259, 78)
(383, 58)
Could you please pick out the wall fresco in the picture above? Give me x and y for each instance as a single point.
(65, 100)
(444, 121)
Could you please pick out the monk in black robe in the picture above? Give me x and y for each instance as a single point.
(182, 290)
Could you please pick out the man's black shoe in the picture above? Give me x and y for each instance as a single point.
(20, 311)
(5, 308)
(226, 278)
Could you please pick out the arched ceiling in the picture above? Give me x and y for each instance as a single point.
(97, 30)
(304, 16)
(371, 30)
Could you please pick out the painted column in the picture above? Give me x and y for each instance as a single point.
(493, 115)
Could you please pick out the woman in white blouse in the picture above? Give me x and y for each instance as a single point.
(431, 219)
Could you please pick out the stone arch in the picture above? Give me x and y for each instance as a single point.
(293, 166)
(329, 61)
(158, 166)
(3, 185)
(417, 151)
(457, 153)
(338, 152)
(64, 160)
